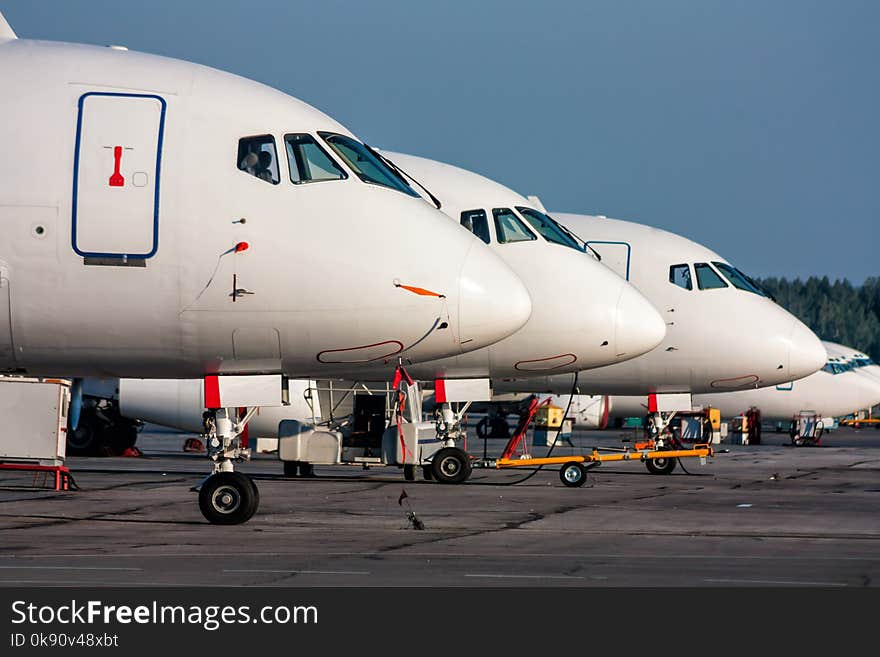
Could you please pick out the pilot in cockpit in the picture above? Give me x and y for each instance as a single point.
(264, 166)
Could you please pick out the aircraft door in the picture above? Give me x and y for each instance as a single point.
(6, 350)
(116, 178)
(615, 255)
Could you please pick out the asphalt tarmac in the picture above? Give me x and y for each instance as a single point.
(758, 515)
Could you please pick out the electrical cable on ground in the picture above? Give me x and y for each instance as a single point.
(555, 440)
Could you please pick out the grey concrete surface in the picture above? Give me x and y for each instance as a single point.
(760, 515)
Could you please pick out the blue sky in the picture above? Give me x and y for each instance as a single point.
(749, 126)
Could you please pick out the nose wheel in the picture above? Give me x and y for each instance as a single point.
(451, 465)
(228, 498)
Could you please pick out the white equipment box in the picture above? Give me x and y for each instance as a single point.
(34, 420)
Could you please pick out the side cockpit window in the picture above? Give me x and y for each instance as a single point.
(510, 228)
(681, 275)
(476, 222)
(708, 278)
(258, 157)
(309, 162)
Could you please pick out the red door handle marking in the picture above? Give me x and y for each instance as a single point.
(116, 180)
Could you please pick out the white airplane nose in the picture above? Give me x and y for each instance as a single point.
(806, 354)
(869, 394)
(638, 326)
(493, 302)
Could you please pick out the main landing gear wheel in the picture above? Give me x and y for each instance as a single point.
(228, 498)
(573, 474)
(661, 466)
(427, 473)
(451, 465)
(409, 472)
(291, 468)
(84, 440)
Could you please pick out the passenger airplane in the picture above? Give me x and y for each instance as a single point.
(165, 219)
(832, 392)
(602, 321)
(722, 332)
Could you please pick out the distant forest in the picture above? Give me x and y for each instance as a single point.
(838, 312)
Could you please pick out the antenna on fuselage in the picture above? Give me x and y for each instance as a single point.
(6, 32)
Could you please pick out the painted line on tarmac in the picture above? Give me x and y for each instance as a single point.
(505, 576)
(297, 572)
(779, 582)
(66, 568)
(446, 555)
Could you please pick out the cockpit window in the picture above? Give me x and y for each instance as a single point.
(366, 164)
(308, 162)
(257, 156)
(476, 222)
(736, 277)
(548, 228)
(510, 228)
(837, 368)
(681, 275)
(708, 278)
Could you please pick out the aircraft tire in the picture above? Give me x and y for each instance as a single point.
(291, 468)
(118, 437)
(409, 472)
(451, 465)
(228, 498)
(85, 440)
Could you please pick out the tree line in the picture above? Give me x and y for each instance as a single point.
(839, 311)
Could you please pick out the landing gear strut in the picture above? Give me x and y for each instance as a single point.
(662, 433)
(450, 465)
(227, 497)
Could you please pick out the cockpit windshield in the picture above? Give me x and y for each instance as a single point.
(509, 228)
(548, 228)
(366, 164)
(707, 278)
(837, 368)
(737, 278)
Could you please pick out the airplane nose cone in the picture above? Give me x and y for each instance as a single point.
(806, 354)
(638, 326)
(869, 394)
(493, 302)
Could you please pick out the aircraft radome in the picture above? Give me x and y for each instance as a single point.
(832, 392)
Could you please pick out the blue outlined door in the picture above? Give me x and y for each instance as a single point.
(116, 175)
(615, 255)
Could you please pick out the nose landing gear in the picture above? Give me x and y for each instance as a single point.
(227, 497)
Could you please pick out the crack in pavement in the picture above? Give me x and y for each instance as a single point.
(533, 516)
